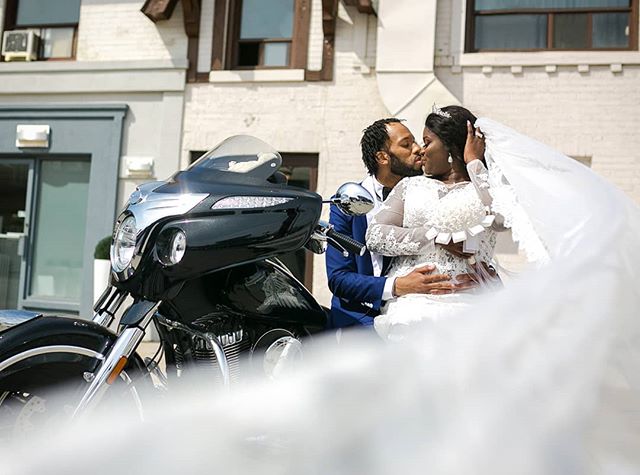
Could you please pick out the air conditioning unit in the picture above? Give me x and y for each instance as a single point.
(20, 45)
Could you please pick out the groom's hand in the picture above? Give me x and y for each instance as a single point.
(422, 280)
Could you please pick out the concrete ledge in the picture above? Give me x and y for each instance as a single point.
(258, 75)
(543, 58)
(55, 77)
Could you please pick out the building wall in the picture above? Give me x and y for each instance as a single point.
(117, 30)
(577, 102)
(318, 117)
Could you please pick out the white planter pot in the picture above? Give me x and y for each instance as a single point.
(101, 269)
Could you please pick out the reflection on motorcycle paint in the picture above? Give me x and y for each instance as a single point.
(280, 294)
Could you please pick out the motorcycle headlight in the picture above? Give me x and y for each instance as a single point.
(124, 244)
(172, 246)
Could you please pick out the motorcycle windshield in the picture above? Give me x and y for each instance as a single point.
(243, 155)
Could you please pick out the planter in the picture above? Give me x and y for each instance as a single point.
(101, 270)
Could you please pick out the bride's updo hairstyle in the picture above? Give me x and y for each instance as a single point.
(450, 125)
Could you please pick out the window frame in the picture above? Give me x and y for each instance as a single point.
(10, 18)
(471, 15)
(229, 15)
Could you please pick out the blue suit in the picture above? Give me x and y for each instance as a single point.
(357, 293)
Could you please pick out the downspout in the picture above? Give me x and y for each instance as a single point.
(405, 61)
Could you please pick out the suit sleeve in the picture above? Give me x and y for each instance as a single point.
(344, 280)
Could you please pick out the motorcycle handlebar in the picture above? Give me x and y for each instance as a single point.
(347, 242)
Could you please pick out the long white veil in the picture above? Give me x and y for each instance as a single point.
(542, 377)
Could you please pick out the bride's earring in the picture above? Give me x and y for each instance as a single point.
(450, 159)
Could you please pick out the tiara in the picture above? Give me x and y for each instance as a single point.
(437, 111)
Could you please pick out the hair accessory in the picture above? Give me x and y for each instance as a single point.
(437, 111)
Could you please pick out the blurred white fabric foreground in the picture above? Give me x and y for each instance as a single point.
(541, 378)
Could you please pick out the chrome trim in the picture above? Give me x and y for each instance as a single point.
(43, 350)
(11, 318)
(134, 394)
(106, 315)
(353, 199)
(155, 206)
(212, 339)
(125, 345)
(148, 207)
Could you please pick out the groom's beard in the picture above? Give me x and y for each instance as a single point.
(401, 169)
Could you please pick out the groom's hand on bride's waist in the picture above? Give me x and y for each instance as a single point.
(422, 280)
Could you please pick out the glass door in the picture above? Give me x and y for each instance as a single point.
(16, 177)
(55, 265)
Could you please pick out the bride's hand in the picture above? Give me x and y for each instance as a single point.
(474, 147)
(456, 250)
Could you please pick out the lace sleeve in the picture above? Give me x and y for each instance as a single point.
(479, 176)
(385, 234)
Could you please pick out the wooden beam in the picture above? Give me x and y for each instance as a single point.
(364, 6)
(191, 13)
(157, 10)
(219, 32)
(329, 14)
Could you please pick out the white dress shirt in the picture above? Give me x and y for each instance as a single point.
(374, 187)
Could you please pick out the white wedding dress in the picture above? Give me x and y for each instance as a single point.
(419, 213)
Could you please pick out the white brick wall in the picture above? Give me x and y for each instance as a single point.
(591, 114)
(316, 37)
(117, 30)
(323, 118)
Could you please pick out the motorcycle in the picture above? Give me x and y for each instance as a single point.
(196, 256)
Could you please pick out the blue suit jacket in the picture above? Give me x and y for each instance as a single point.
(357, 293)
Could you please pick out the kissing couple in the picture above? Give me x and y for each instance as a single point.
(432, 233)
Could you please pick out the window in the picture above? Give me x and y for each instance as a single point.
(261, 34)
(508, 25)
(55, 22)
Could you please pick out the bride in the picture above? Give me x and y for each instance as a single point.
(445, 217)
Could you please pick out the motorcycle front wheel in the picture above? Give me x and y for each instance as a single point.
(44, 396)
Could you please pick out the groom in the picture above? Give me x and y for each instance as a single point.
(358, 284)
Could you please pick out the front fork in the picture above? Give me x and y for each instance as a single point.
(121, 351)
(106, 309)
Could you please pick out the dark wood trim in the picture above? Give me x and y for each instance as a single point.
(329, 15)
(202, 77)
(10, 16)
(157, 10)
(219, 35)
(633, 25)
(550, 30)
(191, 17)
(300, 38)
(470, 28)
(233, 34)
(364, 6)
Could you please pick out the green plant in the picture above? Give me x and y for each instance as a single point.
(102, 248)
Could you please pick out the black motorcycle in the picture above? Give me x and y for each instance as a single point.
(196, 255)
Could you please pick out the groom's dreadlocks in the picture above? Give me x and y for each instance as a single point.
(374, 140)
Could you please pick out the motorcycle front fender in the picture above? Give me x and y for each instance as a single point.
(47, 350)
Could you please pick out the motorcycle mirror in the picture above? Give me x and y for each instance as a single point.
(353, 199)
